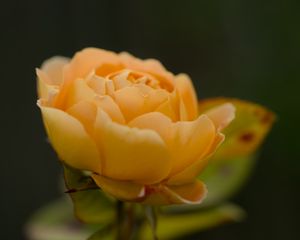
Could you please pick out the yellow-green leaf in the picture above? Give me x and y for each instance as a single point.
(224, 178)
(179, 225)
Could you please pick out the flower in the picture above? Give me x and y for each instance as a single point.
(132, 124)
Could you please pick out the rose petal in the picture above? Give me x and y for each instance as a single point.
(53, 67)
(151, 66)
(221, 115)
(123, 190)
(131, 102)
(70, 140)
(85, 112)
(188, 98)
(88, 59)
(131, 153)
(190, 141)
(191, 193)
(120, 80)
(44, 87)
(79, 91)
(155, 121)
(107, 104)
(186, 141)
(192, 171)
(80, 66)
(96, 83)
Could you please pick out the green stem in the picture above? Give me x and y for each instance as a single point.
(125, 220)
(119, 219)
(151, 216)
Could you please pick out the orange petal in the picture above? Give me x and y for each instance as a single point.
(80, 66)
(155, 121)
(89, 59)
(188, 97)
(191, 193)
(123, 190)
(221, 115)
(131, 153)
(120, 79)
(97, 84)
(85, 112)
(151, 66)
(131, 102)
(53, 67)
(193, 170)
(190, 141)
(79, 91)
(70, 140)
(186, 141)
(44, 87)
(107, 104)
(106, 68)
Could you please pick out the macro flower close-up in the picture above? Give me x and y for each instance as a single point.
(149, 120)
(132, 124)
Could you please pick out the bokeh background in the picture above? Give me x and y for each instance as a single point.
(244, 49)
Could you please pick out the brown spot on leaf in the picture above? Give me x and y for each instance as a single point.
(267, 118)
(247, 137)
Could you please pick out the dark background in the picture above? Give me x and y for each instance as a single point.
(245, 49)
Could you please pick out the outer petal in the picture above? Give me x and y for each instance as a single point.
(192, 140)
(130, 153)
(193, 170)
(70, 140)
(44, 87)
(188, 98)
(186, 141)
(123, 190)
(81, 65)
(53, 67)
(221, 115)
(88, 59)
(191, 193)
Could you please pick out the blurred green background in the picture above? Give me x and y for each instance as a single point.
(244, 49)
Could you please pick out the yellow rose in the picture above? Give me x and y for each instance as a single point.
(131, 123)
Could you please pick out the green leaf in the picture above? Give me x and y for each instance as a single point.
(224, 178)
(178, 225)
(91, 205)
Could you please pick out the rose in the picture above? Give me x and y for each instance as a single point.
(131, 123)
